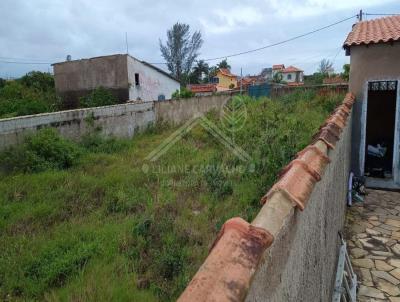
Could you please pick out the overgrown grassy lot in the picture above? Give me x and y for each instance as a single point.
(90, 222)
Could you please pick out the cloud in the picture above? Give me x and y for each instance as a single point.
(228, 20)
(49, 30)
(301, 9)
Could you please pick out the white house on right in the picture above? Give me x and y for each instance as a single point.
(291, 75)
(374, 50)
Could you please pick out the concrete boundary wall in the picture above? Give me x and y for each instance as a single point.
(122, 120)
(178, 111)
(301, 263)
(289, 251)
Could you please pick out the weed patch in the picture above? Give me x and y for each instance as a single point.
(84, 222)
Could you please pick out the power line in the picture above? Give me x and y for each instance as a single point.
(275, 44)
(282, 42)
(20, 62)
(368, 14)
(226, 56)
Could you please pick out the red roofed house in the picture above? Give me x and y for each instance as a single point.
(293, 76)
(225, 80)
(374, 50)
(202, 89)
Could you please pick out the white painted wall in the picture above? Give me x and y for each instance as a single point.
(285, 77)
(152, 82)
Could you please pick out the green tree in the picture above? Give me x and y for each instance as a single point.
(224, 64)
(346, 72)
(200, 69)
(316, 78)
(212, 72)
(98, 97)
(325, 67)
(181, 50)
(42, 81)
(31, 94)
(277, 78)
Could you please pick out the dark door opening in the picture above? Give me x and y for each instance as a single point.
(380, 129)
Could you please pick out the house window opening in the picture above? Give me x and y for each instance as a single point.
(137, 82)
(289, 76)
(380, 129)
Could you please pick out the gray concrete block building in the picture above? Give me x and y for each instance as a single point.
(125, 76)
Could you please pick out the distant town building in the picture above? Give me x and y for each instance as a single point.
(202, 89)
(125, 76)
(225, 80)
(266, 74)
(291, 75)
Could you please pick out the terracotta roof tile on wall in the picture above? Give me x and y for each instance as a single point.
(226, 274)
(381, 30)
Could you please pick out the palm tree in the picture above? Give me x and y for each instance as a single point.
(200, 70)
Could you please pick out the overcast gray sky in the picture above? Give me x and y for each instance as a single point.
(49, 30)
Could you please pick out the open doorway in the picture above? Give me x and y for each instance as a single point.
(380, 129)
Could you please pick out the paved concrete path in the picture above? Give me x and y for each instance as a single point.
(373, 232)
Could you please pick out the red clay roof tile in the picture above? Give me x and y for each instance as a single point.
(381, 30)
(227, 72)
(337, 120)
(297, 182)
(226, 273)
(201, 88)
(233, 259)
(328, 135)
(314, 157)
(290, 69)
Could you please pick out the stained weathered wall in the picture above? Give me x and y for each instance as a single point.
(369, 63)
(152, 82)
(74, 79)
(301, 263)
(119, 120)
(177, 111)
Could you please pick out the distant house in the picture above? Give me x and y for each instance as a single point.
(202, 89)
(374, 50)
(266, 74)
(276, 69)
(293, 76)
(225, 80)
(250, 81)
(125, 76)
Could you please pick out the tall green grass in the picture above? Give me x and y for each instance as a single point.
(104, 228)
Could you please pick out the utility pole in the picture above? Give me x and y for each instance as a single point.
(241, 80)
(360, 15)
